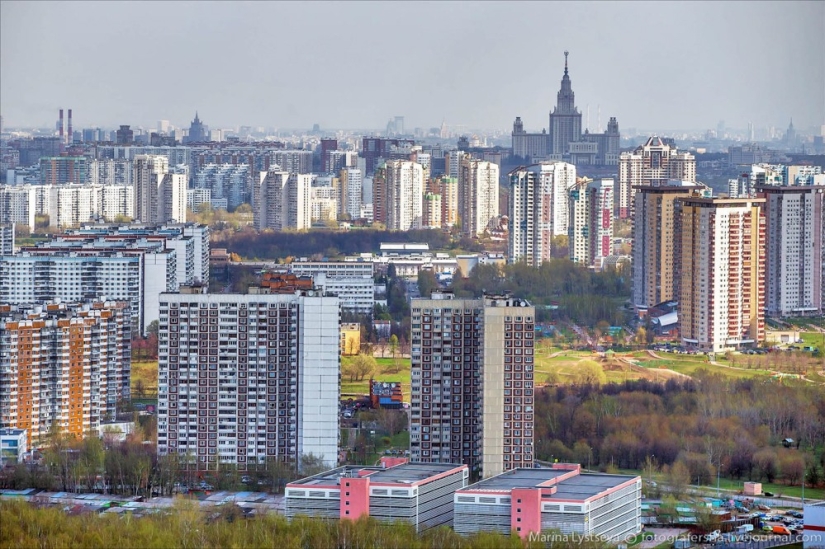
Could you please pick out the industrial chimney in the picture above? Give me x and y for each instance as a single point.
(69, 132)
(60, 126)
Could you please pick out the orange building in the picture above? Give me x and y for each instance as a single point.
(64, 363)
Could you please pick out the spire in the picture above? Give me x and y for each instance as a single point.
(566, 53)
(196, 117)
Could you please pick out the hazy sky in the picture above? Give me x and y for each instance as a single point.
(654, 65)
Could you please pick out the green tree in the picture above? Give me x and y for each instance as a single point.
(393, 345)
(363, 365)
(590, 372)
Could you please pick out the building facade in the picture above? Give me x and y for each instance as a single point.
(652, 164)
(656, 243)
(477, 195)
(722, 270)
(532, 501)
(590, 228)
(47, 274)
(420, 494)
(160, 195)
(18, 205)
(60, 170)
(472, 383)
(283, 200)
(795, 239)
(349, 192)
(64, 363)
(538, 209)
(352, 282)
(246, 378)
(405, 194)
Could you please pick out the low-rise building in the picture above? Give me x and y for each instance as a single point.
(560, 498)
(13, 446)
(814, 526)
(418, 493)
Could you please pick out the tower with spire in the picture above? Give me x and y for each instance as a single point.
(197, 131)
(563, 140)
(565, 120)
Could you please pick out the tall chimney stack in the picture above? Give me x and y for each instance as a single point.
(69, 132)
(60, 126)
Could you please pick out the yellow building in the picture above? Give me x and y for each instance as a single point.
(350, 339)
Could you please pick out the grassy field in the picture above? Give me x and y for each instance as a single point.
(737, 485)
(147, 373)
(389, 370)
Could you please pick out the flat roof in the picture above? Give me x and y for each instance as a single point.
(581, 486)
(406, 473)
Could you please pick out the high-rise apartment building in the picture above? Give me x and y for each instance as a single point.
(60, 170)
(68, 363)
(7, 239)
(283, 201)
(349, 192)
(405, 193)
(432, 211)
(477, 195)
(722, 270)
(538, 209)
(448, 190)
(472, 382)
(795, 242)
(590, 232)
(246, 378)
(652, 164)
(160, 195)
(18, 205)
(656, 242)
(230, 184)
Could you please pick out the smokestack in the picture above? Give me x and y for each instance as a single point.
(60, 126)
(69, 132)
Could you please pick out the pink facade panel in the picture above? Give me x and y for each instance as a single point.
(525, 511)
(355, 498)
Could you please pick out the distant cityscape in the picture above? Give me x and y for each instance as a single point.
(111, 238)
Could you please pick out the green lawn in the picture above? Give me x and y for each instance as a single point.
(387, 371)
(147, 373)
(814, 339)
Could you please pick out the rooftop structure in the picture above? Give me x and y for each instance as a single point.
(418, 493)
(528, 501)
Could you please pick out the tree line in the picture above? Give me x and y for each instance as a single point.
(573, 291)
(698, 427)
(186, 526)
(270, 245)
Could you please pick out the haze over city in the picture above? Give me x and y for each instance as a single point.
(355, 64)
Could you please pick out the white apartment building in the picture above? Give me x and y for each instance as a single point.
(18, 205)
(590, 233)
(538, 209)
(477, 195)
(349, 192)
(795, 238)
(653, 163)
(160, 195)
(405, 193)
(352, 282)
(244, 378)
(109, 171)
(135, 276)
(7, 239)
(722, 273)
(283, 201)
(196, 197)
(231, 184)
(324, 204)
(472, 382)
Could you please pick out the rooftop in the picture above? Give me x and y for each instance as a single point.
(406, 473)
(576, 487)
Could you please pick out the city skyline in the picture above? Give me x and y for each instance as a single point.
(699, 64)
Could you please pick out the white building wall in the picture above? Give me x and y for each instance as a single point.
(319, 378)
